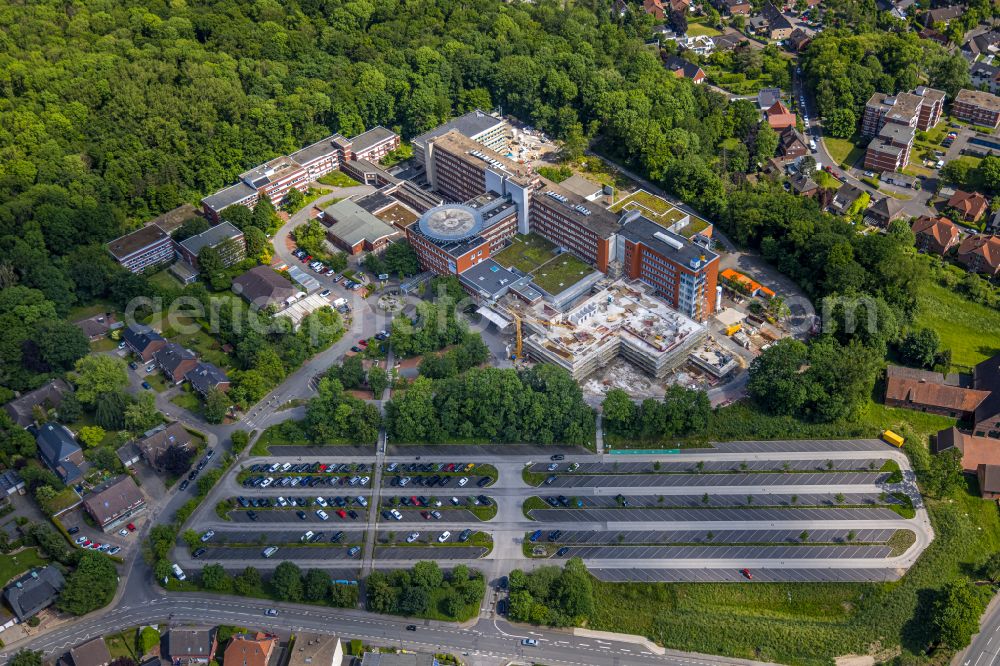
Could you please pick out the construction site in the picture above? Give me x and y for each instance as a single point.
(621, 319)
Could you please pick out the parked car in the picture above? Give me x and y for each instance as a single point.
(199, 552)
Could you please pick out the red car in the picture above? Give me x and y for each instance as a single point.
(746, 572)
(131, 527)
(342, 513)
(425, 515)
(363, 342)
(415, 501)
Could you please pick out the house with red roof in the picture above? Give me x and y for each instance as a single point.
(970, 205)
(936, 234)
(981, 254)
(779, 117)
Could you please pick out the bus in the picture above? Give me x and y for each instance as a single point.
(890, 437)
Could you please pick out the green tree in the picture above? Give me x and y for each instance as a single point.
(988, 172)
(317, 584)
(99, 374)
(215, 578)
(91, 585)
(161, 540)
(774, 379)
(141, 413)
(60, 344)
(378, 380)
(619, 412)
(427, 574)
(944, 477)
(27, 658)
(920, 347)
(956, 613)
(767, 143)
(91, 436)
(216, 406)
(287, 582)
(841, 123)
(240, 440)
(147, 639)
(109, 410)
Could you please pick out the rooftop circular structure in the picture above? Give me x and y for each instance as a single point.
(451, 222)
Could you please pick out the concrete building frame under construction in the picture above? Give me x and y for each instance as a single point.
(624, 318)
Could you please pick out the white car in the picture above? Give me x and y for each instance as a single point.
(322, 514)
(266, 482)
(286, 467)
(396, 515)
(282, 502)
(413, 536)
(364, 480)
(320, 501)
(274, 468)
(80, 540)
(361, 501)
(207, 535)
(462, 481)
(114, 550)
(123, 532)
(444, 536)
(402, 482)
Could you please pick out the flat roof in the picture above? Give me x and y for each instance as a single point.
(173, 219)
(270, 171)
(678, 248)
(228, 196)
(479, 155)
(488, 278)
(372, 137)
(127, 245)
(597, 218)
(298, 310)
(471, 124)
(397, 215)
(315, 151)
(451, 223)
(581, 186)
(978, 98)
(353, 224)
(211, 237)
(308, 282)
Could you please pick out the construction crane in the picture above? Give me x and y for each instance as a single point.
(519, 334)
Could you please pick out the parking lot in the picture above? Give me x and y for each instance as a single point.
(733, 575)
(716, 500)
(742, 514)
(840, 479)
(788, 552)
(412, 554)
(643, 537)
(708, 466)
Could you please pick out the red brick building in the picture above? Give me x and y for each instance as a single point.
(977, 107)
(981, 254)
(969, 205)
(452, 238)
(935, 234)
(573, 223)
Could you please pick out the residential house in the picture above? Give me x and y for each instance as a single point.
(985, 74)
(738, 7)
(934, 36)
(943, 15)
(970, 206)
(191, 645)
(700, 44)
(986, 377)
(114, 502)
(399, 659)
(768, 97)
(246, 650)
(791, 143)
(728, 41)
(984, 44)
(928, 392)
(776, 25)
(311, 649)
(223, 237)
(977, 107)
(58, 449)
(98, 326)
(884, 211)
(33, 592)
(803, 185)
(989, 481)
(935, 234)
(46, 397)
(129, 454)
(207, 376)
(262, 286)
(92, 653)
(993, 224)
(175, 361)
(155, 443)
(142, 341)
(976, 450)
(779, 117)
(684, 69)
(658, 9)
(844, 198)
(799, 40)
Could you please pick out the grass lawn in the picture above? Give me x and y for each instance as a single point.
(14, 565)
(64, 499)
(103, 345)
(87, 311)
(188, 400)
(967, 328)
(157, 381)
(526, 253)
(699, 29)
(843, 150)
(561, 273)
(286, 433)
(164, 280)
(338, 179)
(825, 180)
(122, 644)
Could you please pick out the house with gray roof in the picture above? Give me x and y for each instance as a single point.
(207, 376)
(143, 341)
(175, 361)
(58, 449)
(262, 286)
(48, 396)
(477, 125)
(92, 653)
(33, 592)
(355, 230)
(191, 645)
(155, 443)
(224, 237)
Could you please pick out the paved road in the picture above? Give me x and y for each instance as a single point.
(985, 647)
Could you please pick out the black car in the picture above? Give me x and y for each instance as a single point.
(73, 530)
(252, 515)
(411, 627)
(353, 514)
(484, 500)
(550, 479)
(193, 473)
(336, 537)
(464, 536)
(445, 480)
(386, 515)
(356, 349)
(562, 499)
(557, 456)
(184, 484)
(502, 607)
(552, 501)
(502, 583)
(199, 552)
(554, 534)
(243, 502)
(301, 515)
(483, 482)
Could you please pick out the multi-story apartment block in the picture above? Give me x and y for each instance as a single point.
(479, 126)
(215, 237)
(142, 248)
(890, 150)
(452, 238)
(573, 223)
(893, 120)
(931, 107)
(685, 275)
(276, 177)
(977, 107)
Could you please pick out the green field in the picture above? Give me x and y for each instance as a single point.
(561, 273)
(695, 29)
(14, 565)
(338, 179)
(842, 150)
(526, 253)
(165, 281)
(968, 329)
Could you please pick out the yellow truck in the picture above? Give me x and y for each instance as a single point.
(732, 329)
(890, 437)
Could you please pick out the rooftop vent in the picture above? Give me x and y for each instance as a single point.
(672, 242)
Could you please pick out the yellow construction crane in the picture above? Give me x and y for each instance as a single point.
(518, 333)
